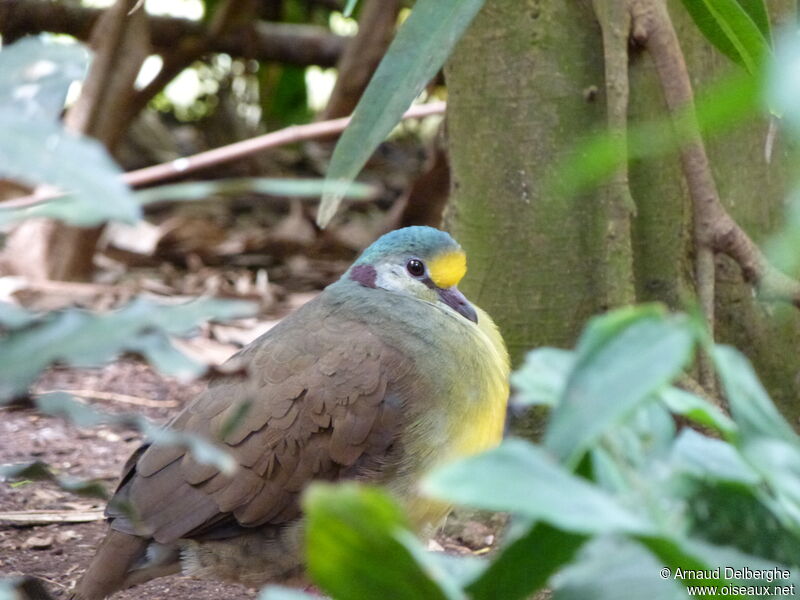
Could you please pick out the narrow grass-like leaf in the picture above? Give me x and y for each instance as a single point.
(733, 30)
(416, 54)
(349, 8)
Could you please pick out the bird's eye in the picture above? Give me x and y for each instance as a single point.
(415, 267)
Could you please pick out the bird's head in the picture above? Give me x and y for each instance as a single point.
(419, 261)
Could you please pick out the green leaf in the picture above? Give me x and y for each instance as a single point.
(83, 415)
(525, 480)
(778, 461)
(39, 151)
(718, 108)
(39, 471)
(358, 546)
(541, 379)
(274, 592)
(751, 406)
(683, 562)
(697, 410)
(416, 54)
(602, 329)
(757, 11)
(731, 27)
(459, 569)
(23, 588)
(200, 190)
(734, 560)
(783, 249)
(621, 360)
(14, 317)
(734, 515)
(610, 568)
(712, 460)
(515, 573)
(80, 338)
(35, 76)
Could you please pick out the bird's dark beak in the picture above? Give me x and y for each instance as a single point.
(459, 303)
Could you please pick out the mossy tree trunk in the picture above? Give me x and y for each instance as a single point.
(526, 85)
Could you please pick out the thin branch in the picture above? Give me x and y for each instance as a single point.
(617, 206)
(188, 51)
(653, 28)
(190, 164)
(287, 43)
(289, 135)
(714, 229)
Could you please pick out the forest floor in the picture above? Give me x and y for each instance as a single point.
(57, 552)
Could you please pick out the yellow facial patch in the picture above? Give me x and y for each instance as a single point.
(447, 269)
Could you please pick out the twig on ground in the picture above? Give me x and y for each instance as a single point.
(23, 518)
(114, 397)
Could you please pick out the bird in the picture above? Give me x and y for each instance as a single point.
(389, 372)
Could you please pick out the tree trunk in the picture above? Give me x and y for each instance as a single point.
(526, 85)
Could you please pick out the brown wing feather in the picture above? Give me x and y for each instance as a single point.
(321, 409)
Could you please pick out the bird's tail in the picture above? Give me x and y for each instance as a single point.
(108, 571)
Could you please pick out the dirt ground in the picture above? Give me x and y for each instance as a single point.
(58, 553)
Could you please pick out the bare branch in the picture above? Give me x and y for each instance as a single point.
(286, 43)
(231, 152)
(189, 50)
(714, 229)
(197, 162)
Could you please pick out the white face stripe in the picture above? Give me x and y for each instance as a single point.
(395, 278)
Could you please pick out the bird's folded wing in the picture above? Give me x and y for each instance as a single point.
(320, 402)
